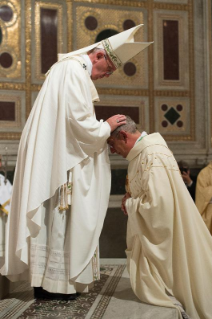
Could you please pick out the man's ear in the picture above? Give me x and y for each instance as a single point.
(99, 55)
(123, 136)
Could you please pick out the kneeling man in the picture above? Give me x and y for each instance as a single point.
(169, 248)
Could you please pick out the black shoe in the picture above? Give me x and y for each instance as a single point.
(40, 293)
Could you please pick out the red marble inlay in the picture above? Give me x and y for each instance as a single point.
(171, 49)
(91, 23)
(7, 111)
(6, 60)
(104, 112)
(48, 18)
(179, 123)
(179, 107)
(164, 123)
(129, 68)
(6, 13)
(127, 24)
(164, 107)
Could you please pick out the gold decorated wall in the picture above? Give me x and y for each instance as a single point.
(166, 88)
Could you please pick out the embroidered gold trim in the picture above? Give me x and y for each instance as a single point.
(114, 58)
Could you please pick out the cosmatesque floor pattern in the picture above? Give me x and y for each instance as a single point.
(111, 298)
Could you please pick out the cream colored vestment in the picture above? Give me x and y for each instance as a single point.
(204, 195)
(61, 137)
(169, 248)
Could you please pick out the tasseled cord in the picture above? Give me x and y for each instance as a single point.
(65, 196)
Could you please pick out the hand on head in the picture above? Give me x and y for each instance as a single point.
(116, 120)
(123, 136)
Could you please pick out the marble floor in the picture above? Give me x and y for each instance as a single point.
(111, 298)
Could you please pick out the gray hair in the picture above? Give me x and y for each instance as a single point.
(130, 127)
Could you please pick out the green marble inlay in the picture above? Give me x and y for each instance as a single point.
(172, 115)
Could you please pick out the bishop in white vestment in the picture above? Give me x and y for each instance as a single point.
(169, 248)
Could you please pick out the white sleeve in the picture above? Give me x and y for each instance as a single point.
(80, 111)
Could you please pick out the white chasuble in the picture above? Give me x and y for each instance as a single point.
(61, 136)
(169, 248)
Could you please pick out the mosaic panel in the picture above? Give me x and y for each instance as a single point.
(98, 15)
(103, 112)
(179, 79)
(49, 26)
(173, 116)
(136, 108)
(172, 1)
(11, 49)
(12, 112)
(90, 22)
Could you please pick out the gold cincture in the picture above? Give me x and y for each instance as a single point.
(2, 207)
(65, 190)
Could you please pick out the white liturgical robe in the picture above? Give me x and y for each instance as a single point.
(169, 248)
(61, 142)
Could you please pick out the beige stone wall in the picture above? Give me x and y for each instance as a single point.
(78, 24)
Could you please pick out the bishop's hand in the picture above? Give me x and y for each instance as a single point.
(123, 207)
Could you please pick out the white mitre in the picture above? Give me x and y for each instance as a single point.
(120, 47)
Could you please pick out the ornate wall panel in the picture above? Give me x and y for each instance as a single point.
(171, 50)
(92, 21)
(12, 113)
(174, 71)
(167, 87)
(172, 116)
(135, 107)
(173, 1)
(49, 32)
(12, 41)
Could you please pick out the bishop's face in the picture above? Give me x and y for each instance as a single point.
(118, 146)
(102, 66)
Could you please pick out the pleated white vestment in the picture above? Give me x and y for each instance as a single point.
(169, 248)
(62, 141)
